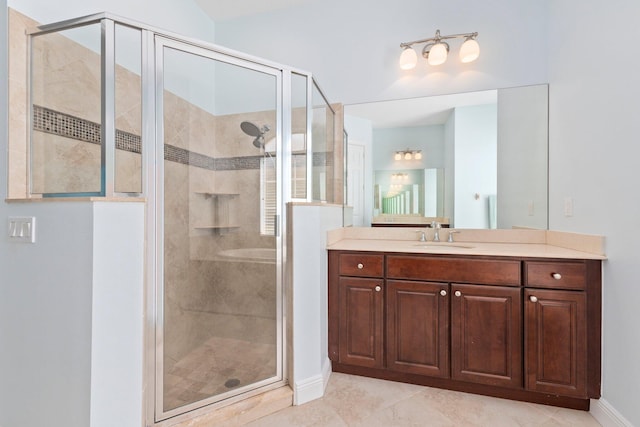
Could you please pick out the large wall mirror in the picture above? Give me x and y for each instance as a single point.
(470, 160)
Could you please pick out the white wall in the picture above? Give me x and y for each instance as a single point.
(353, 47)
(308, 226)
(45, 310)
(522, 148)
(183, 17)
(475, 146)
(594, 156)
(117, 317)
(429, 139)
(71, 316)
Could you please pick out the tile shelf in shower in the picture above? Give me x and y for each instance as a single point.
(214, 195)
(216, 227)
(221, 208)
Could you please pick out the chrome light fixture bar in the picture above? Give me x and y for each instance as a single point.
(435, 50)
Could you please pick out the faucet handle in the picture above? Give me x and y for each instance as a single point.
(423, 236)
(451, 233)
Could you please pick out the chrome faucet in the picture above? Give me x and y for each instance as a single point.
(451, 233)
(436, 231)
(423, 236)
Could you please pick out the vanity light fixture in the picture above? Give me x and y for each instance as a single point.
(408, 155)
(399, 177)
(435, 51)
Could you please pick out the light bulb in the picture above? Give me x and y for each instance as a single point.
(398, 156)
(407, 156)
(469, 51)
(418, 155)
(437, 54)
(408, 58)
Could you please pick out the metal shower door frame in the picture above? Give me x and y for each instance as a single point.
(156, 209)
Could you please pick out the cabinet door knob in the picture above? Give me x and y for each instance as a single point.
(443, 293)
(378, 288)
(557, 276)
(360, 266)
(458, 293)
(533, 298)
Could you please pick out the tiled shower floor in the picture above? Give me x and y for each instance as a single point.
(217, 366)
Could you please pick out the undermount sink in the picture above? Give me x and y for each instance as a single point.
(440, 245)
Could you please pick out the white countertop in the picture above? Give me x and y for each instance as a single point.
(511, 243)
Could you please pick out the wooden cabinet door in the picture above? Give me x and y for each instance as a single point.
(361, 311)
(556, 342)
(486, 335)
(418, 327)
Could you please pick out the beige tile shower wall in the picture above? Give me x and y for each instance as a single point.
(65, 78)
(71, 165)
(206, 296)
(71, 74)
(17, 158)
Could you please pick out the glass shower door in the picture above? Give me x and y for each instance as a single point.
(219, 302)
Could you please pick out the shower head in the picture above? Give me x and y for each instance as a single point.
(253, 130)
(259, 142)
(250, 129)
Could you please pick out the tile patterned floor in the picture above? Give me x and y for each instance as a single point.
(217, 366)
(359, 401)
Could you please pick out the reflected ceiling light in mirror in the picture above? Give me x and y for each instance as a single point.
(408, 155)
(436, 51)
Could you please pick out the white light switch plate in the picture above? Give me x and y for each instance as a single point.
(22, 229)
(568, 206)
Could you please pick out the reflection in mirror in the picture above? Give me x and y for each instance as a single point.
(488, 151)
(411, 195)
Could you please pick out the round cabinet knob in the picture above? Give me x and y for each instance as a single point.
(557, 276)
(533, 298)
(360, 266)
(458, 293)
(443, 293)
(378, 288)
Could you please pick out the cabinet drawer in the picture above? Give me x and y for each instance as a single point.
(556, 275)
(364, 265)
(481, 271)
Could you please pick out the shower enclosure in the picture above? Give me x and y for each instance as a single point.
(217, 142)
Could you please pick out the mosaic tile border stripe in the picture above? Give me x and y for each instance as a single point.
(68, 126)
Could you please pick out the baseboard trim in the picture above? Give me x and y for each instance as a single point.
(607, 415)
(326, 373)
(312, 388)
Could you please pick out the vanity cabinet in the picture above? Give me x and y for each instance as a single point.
(486, 336)
(518, 328)
(361, 321)
(562, 327)
(467, 324)
(418, 327)
(361, 309)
